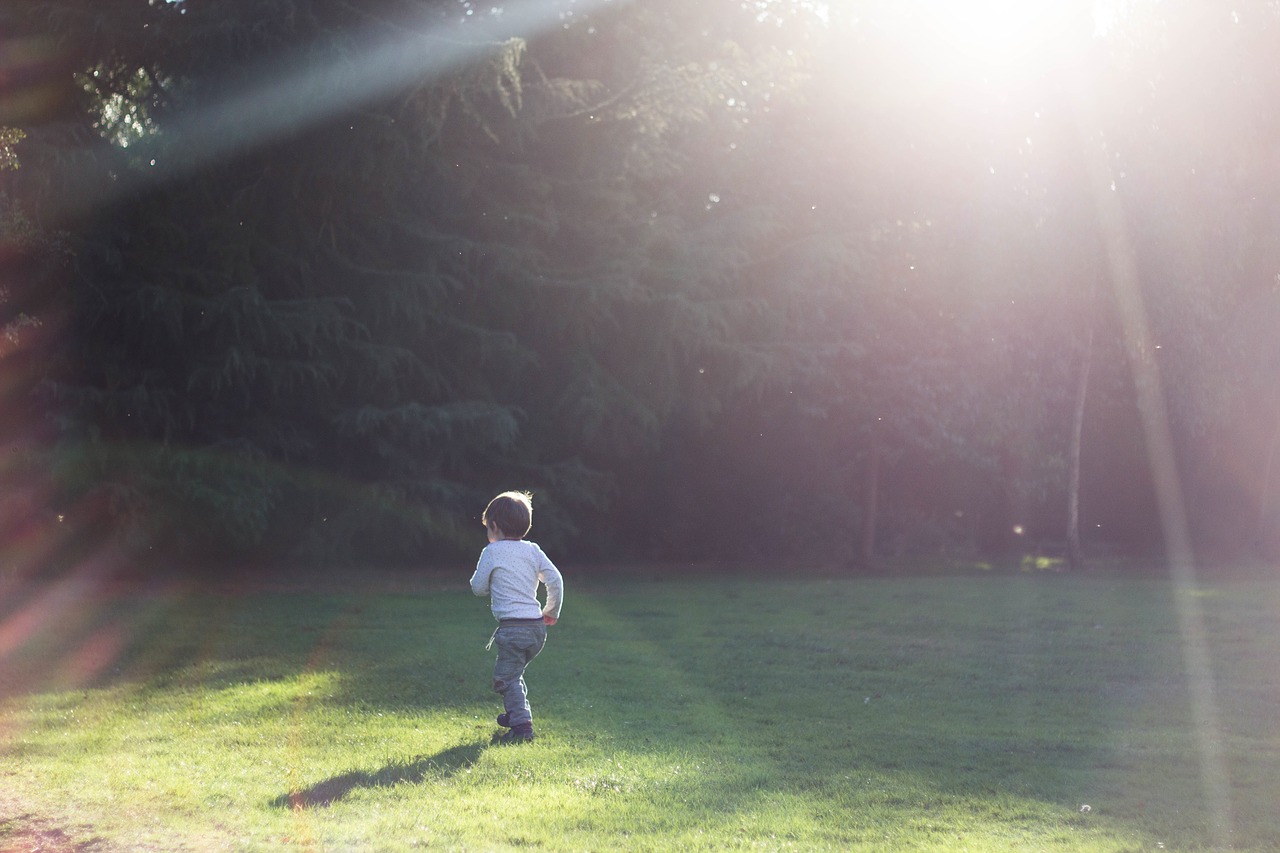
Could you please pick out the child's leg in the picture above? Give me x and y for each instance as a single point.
(517, 645)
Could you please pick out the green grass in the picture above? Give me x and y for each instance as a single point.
(706, 713)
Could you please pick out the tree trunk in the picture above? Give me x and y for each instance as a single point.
(1075, 556)
(870, 503)
(1262, 543)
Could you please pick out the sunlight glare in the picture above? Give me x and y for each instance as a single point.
(997, 32)
(1012, 36)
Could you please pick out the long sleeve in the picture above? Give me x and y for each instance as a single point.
(509, 571)
(484, 569)
(554, 582)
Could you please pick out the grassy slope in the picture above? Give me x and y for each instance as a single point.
(710, 713)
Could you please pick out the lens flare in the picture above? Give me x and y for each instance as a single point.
(1153, 410)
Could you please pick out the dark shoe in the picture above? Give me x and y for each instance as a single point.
(521, 733)
(504, 720)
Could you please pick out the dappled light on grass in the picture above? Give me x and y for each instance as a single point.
(1031, 713)
(785, 725)
(268, 697)
(933, 713)
(1034, 563)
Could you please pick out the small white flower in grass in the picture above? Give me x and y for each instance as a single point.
(1086, 808)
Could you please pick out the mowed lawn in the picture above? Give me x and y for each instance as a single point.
(708, 712)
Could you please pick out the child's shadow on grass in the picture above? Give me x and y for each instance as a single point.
(442, 765)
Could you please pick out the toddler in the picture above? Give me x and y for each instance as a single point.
(509, 571)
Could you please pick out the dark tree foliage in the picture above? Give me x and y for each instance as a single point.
(315, 314)
(714, 279)
(910, 396)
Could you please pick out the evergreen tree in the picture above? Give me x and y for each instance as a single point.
(334, 327)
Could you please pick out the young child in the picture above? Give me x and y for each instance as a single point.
(509, 571)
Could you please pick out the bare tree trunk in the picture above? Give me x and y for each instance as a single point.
(1075, 555)
(1261, 545)
(870, 503)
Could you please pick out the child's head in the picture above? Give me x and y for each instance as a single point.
(510, 514)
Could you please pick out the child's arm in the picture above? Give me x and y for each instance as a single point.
(552, 580)
(483, 572)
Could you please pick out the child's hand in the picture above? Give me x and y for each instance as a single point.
(548, 619)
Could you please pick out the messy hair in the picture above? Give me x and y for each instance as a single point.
(511, 513)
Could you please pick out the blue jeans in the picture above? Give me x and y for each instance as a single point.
(517, 645)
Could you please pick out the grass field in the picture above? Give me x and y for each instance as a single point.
(1023, 712)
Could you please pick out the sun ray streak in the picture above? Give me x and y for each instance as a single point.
(298, 93)
(52, 608)
(1123, 271)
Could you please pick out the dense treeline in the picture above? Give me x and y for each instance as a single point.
(307, 279)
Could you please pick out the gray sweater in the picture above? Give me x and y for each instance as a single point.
(509, 571)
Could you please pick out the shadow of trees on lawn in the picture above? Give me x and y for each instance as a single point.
(441, 765)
